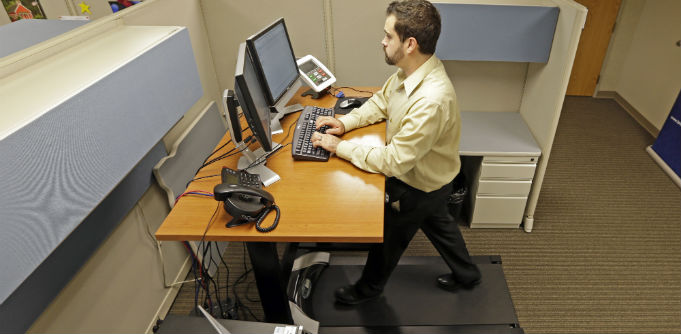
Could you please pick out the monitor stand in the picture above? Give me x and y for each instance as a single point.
(275, 123)
(267, 176)
(280, 109)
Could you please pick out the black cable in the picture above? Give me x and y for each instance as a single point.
(225, 144)
(248, 287)
(356, 90)
(229, 153)
(248, 141)
(216, 281)
(290, 127)
(226, 314)
(207, 301)
(204, 285)
(239, 305)
(264, 157)
(259, 160)
(246, 275)
(216, 151)
(199, 178)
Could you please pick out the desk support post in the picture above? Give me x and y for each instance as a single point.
(267, 270)
(287, 261)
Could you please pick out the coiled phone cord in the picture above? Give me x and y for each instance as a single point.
(262, 216)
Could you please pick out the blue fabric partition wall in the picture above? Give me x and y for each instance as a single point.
(71, 175)
(496, 33)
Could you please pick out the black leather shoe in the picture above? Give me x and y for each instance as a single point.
(448, 283)
(351, 296)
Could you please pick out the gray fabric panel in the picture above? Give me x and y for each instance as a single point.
(21, 34)
(496, 32)
(45, 283)
(57, 169)
(176, 170)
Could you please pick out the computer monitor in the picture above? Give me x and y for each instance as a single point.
(252, 98)
(276, 66)
(253, 102)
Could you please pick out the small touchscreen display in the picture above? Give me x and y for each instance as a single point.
(308, 66)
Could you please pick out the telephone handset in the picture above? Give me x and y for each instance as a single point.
(245, 202)
(315, 74)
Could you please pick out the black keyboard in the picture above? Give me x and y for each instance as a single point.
(302, 146)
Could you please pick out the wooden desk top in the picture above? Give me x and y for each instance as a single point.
(320, 201)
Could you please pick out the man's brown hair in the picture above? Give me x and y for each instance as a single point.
(418, 19)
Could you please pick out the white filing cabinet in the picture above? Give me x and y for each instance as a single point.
(499, 159)
(498, 190)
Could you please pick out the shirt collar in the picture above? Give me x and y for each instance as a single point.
(413, 81)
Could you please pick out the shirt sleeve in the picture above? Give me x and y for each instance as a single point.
(419, 130)
(372, 111)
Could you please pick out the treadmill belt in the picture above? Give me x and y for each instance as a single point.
(412, 298)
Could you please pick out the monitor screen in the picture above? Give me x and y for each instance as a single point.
(274, 58)
(252, 98)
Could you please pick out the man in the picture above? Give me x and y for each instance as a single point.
(421, 156)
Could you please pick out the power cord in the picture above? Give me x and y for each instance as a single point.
(338, 89)
(158, 248)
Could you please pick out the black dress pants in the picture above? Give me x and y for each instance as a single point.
(416, 209)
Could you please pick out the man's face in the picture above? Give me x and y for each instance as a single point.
(392, 46)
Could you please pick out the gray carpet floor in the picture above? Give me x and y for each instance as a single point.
(605, 252)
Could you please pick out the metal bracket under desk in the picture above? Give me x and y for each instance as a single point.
(499, 157)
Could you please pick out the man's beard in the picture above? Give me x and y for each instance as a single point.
(395, 58)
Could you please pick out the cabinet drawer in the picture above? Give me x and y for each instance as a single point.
(510, 159)
(498, 210)
(498, 187)
(507, 171)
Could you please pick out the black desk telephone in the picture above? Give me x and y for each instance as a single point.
(244, 200)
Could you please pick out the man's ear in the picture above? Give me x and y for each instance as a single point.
(412, 44)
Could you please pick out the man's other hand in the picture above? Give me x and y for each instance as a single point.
(326, 141)
(336, 127)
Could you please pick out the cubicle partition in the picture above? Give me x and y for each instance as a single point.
(81, 131)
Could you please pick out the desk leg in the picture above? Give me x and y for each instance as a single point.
(287, 261)
(269, 279)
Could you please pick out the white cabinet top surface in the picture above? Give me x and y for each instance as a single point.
(496, 134)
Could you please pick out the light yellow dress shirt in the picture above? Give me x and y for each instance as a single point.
(423, 130)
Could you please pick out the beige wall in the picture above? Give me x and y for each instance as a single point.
(56, 8)
(229, 23)
(4, 18)
(357, 34)
(643, 63)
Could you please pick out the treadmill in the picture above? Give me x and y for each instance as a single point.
(411, 302)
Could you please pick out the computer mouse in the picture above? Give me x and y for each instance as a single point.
(350, 103)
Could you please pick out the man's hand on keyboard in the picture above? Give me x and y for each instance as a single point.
(335, 127)
(326, 141)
